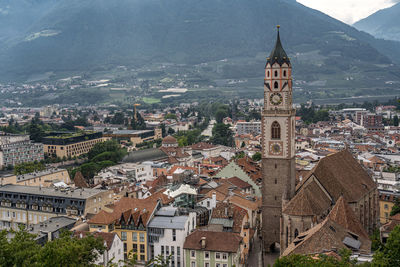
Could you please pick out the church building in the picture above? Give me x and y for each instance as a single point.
(289, 209)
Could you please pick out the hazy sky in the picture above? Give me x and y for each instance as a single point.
(348, 11)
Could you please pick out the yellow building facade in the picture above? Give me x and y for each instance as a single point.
(386, 203)
(128, 220)
(44, 178)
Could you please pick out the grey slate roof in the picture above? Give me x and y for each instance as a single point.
(164, 222)
(52, 225)
(225, 222)
(150, 154)
(131, 131)
(167, 211)
(49, 191)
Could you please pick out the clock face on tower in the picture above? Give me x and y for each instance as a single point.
(275, 148)
(276, 99)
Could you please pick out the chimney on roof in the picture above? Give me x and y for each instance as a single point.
(203, 242)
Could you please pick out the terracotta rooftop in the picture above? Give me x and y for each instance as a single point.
(239, 183)
(345, 216)
(202, 146)
(215, 241)
(310, 200)
(339, 225)
(169, 140)
(341, 174)
(126, 207)
(225, 210)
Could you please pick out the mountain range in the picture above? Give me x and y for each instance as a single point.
(383, 24)
(64, 35)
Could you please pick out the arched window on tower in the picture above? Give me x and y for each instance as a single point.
(267, 73)
(284, 73)
(276, 73)
(275, 130)
(276, 85)
(296, 233)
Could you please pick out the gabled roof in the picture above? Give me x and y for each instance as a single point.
(215, 241)
(339, 230)
(310, 200)
(345, 216)
(225, 210)
(341, 174)
(127, 209)
(239, 183)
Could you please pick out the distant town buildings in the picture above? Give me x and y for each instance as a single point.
(16, 149)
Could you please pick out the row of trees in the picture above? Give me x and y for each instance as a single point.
(23, 250)
(312, 114)
(28, 167)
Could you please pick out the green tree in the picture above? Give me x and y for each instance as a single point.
(222, 135)
(395, 208)
(110, 145)
(28, 167)
(69, 250)
(220, 115)
(396, 120)
(376, 240)
(20, 250)
(256, 156)
(389, 254)
(170, 116)
(320, 261)
(36, 132)
(171, 131)
(118, 118)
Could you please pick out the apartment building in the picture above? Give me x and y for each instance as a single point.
(167, 232)
(70, 144)
(27, 205)
(251, 127)
(16, 149)
(44, 178)
(129, 220)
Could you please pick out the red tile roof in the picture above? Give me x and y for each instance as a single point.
(215, 241)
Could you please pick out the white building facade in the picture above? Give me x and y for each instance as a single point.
(167, 232)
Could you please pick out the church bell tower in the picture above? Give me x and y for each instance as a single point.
(278, 143)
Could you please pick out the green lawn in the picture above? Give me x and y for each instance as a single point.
(151, 100)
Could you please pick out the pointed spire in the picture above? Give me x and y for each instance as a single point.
(278, 55)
